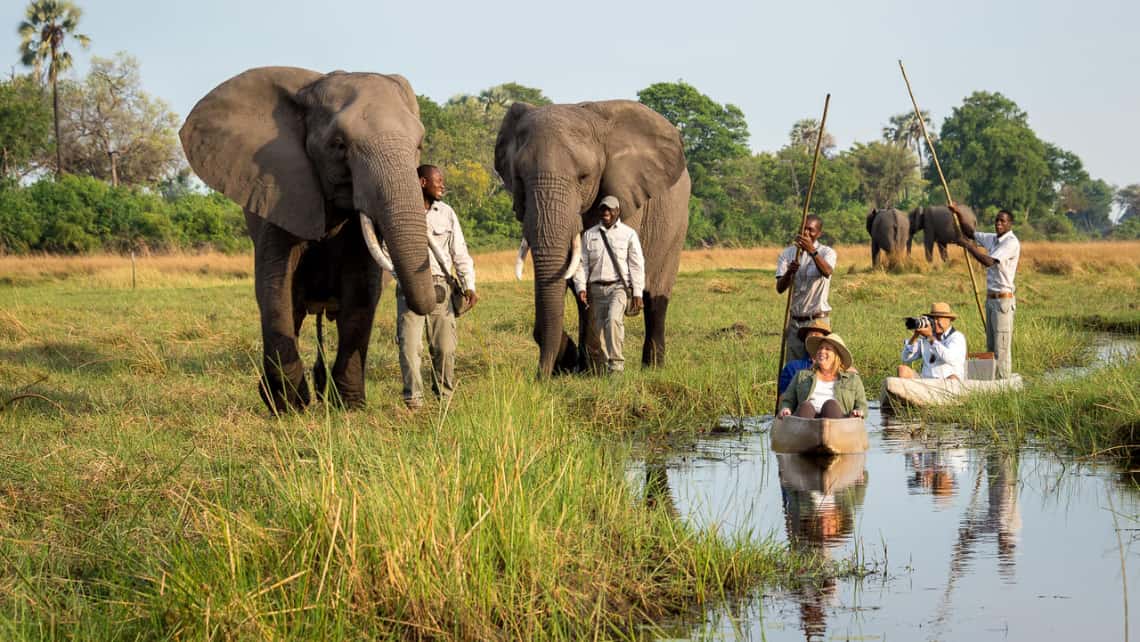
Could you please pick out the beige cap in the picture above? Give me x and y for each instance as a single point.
(610, 202)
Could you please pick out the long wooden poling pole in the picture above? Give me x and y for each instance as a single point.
(803, 224)
(945, 188)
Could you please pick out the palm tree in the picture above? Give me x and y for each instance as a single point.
(804, 133)
(42, 34)
(906, 129)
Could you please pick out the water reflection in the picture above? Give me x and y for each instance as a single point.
(984, 544)
(821, 496)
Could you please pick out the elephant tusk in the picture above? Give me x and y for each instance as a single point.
(575, 257)
(524, 247)
(373, 244)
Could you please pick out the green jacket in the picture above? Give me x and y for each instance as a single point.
(849, 391)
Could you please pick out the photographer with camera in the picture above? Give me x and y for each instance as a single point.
(941, 347)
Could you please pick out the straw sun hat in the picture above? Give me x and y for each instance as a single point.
(836, 342)
(941, 309)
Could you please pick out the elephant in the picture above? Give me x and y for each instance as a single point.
(558, 162)
(937, 226)
(890, 233)
(319, 163)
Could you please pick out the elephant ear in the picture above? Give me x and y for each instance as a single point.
(246, 139)
(644, 152)
(506, 145)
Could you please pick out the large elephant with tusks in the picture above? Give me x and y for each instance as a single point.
(558, 162)
(320, 163)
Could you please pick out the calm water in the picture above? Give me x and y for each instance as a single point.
(969, 543)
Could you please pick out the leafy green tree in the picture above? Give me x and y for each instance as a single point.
(19, 225)
(25, 125)
(42, 38)
(116, 132)
(1088, 205)
(711, 132)
(506, 94)
(988, 145)
(1128, 197)
(887, 172)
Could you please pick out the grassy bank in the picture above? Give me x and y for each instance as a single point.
(145, 493)
(1089, 413)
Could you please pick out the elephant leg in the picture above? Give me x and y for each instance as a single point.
(276, 256)
(943, 253)
(874, 253)
(928, 244)
(588, 351)
(358, 293)
(566, 358)
(653, 351)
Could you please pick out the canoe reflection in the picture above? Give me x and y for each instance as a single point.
(821, 497)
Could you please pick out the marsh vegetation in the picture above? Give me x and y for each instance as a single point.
(147, 494)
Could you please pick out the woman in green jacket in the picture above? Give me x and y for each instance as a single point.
(829, 388)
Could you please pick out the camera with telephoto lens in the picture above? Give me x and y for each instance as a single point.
(915, 323)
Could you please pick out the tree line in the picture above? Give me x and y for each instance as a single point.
(94, 164)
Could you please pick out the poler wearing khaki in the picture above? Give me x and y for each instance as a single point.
(443, 229)
(1003, 251)
(607, 272)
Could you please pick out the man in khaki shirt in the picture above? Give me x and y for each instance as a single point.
(812, 282)
(607, 281)
(443, 228)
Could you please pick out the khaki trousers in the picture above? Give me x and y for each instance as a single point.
(608, 305)
(999, 334)
(442, 341)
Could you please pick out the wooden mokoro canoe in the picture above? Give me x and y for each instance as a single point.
(899, 392)
(819, 436)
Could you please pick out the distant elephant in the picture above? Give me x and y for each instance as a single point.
(937, 226)
(319, 163)
(890, 233)
(558, 162)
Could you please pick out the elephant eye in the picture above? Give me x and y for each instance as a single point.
(338, 144)
(582, 177)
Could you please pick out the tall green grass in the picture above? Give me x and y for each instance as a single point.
(145, 492)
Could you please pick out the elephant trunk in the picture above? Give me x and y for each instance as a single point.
(549, 306)
(551, 221)
(386, 189)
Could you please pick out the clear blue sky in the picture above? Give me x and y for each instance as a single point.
(1071, 65)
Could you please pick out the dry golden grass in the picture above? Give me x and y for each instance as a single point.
(167, 270)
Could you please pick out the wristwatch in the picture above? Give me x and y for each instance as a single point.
(813, 253)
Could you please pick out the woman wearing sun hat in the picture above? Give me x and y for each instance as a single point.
(827, 389)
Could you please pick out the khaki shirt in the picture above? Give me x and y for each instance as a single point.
(809, 287)
(596, 264)
(443, 226)
(1006, 250)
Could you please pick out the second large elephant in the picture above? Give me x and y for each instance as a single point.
(937, 226)
(890, 233)
(319, 163)
(559, 161)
